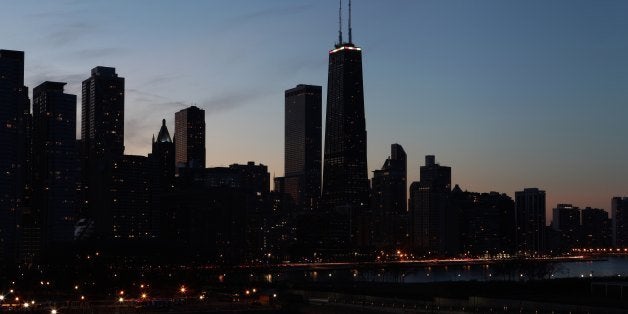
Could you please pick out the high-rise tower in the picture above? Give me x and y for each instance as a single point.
(432, 219)
(302, 154)
(102, 123)
(530, 220)
(345, 178)
(15, 117)
(55, 163)
(102, 141)
(189, 138)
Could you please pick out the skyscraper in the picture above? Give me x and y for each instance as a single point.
(162, 157)
(128, 198)
(619, 214)
(433, 226)
(345, 177)
(389, 186)
(189, 138)
(389, 200)
(530, 220)
(566, 222)
(56, 172)
(102, 116)
(302, 154)
(102, 137)
(15, 116)
(162, 169)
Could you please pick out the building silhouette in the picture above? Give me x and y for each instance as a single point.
(345, 174)
(619, 215)
(56, 170)
(389, 200)
(530, 220)
(129, 198)
(102, 115)
(162, 171)
(389, 184)
(302, 152)
(189, 138)
(163, 152)
(566, 222)
(102, 138)
(434, 227)
(596, 228)
(14, 159)
(220, 213)
(487, 221)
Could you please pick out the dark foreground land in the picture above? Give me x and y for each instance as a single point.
(546, 296)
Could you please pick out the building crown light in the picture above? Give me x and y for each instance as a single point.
(345, 48)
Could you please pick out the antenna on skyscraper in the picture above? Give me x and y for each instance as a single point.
(350, 40)
(340, 23)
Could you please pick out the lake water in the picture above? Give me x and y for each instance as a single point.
(606, 267)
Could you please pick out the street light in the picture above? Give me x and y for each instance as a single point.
(53, 311)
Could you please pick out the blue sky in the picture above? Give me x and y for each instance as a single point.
(511, 94)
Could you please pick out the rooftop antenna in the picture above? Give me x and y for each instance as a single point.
(350, 40)
(340, 23)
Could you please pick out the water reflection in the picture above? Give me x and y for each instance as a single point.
(611, 266)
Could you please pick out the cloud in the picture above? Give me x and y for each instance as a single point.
(97, 52)
(228, 101)
(269, 13)
(67, 33)
(40, 73)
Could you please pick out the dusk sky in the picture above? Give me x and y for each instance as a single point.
(510, 94)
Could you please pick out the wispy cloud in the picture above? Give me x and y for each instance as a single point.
(228, 101)
(269, 13)
(40, 73)
(66, 33)
(97, 52)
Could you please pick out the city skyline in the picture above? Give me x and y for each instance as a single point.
(568, 151)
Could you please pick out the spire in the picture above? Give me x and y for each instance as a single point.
(340, 23)
(350, 39)
(164, 135)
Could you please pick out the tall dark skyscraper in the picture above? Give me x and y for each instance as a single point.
(390, 189)
(433, 225)
(162, 169)
(102, 124)
(302, 154)
(619, 214)
(389, 200)
(189, 138)
(128, 198)
(530, 220)
(102, 138)
(566, 223)
(56, 172)
(345, 177)
(14, 117)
